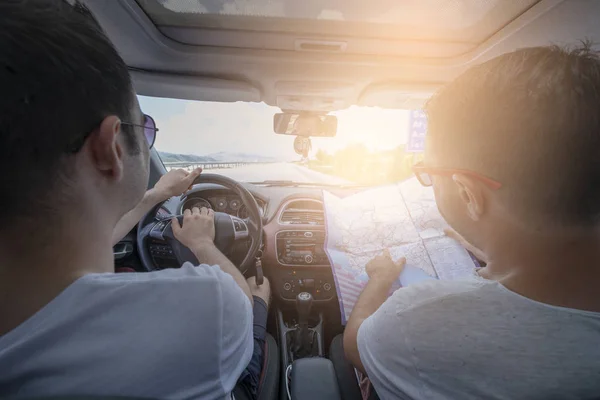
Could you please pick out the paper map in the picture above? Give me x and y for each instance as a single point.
(402, 218)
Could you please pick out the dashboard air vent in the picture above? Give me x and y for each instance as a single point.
(303, 212)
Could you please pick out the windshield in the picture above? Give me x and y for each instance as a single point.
(237, 140)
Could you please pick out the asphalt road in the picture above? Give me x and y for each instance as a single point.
(278, 171)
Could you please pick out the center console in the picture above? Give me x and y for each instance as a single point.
(302, 282)
(300, 336)
(303, 265)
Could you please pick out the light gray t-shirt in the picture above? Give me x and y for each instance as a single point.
(476, 339)
(172, 334)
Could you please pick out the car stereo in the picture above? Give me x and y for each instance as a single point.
(301, 248)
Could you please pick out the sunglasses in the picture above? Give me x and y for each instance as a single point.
(150, 129)
(149, 126)
(424, 173)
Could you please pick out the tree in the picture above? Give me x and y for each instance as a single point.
(324, 157)
(321, 155)
(350, 161)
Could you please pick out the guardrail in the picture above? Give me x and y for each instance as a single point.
(189, 165)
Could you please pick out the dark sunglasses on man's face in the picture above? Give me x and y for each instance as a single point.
(150, 129)
(149, 126)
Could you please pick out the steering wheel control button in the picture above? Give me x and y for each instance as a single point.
(157, 230)
(327, 286)
(287, 286)
(237, 226)
(240, 228)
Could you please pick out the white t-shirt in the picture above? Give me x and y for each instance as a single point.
(172, 334)
(478, 340)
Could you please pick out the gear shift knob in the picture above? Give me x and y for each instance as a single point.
(303, 305)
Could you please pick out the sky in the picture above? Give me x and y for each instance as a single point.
(201, 128)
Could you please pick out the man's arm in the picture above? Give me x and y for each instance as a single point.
(382, 273)
(207, 253)
(173, 183)
(128, 221)
(198, 234)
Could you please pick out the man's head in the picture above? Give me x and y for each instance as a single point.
(67, 104)
(529, 120)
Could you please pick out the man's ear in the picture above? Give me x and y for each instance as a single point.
(105, 148)
(471, 195)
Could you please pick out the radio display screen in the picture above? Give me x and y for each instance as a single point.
(301, 248)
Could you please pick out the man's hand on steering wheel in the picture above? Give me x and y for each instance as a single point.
(198, 227)
(174, 183)
(197, 233)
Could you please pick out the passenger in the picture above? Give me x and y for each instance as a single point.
(75, 160)
(513, 154)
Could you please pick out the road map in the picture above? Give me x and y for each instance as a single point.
(402, 218)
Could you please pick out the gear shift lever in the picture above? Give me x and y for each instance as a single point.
(303, 305)
(302, 340)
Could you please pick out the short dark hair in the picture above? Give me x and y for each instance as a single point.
(531, 120)
(60, 76)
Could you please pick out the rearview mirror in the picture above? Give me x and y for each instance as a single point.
(305, 124)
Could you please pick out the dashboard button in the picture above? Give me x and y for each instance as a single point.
(327, 286)
(287, 286)
(308, 259)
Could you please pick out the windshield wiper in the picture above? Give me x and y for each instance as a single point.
(290, 183)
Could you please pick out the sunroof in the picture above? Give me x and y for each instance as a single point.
(424, 18)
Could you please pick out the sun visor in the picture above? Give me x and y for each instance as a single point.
(193, 88)
(398, 95)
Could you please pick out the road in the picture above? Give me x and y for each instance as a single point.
(278, 171)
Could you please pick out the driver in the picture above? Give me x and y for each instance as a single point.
(74, 148)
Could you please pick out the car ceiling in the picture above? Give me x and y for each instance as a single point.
(326, 55)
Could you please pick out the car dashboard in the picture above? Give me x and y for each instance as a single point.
(294, 234)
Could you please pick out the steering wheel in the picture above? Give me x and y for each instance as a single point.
(228, 229)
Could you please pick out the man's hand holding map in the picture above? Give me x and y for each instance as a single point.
(402, 219)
